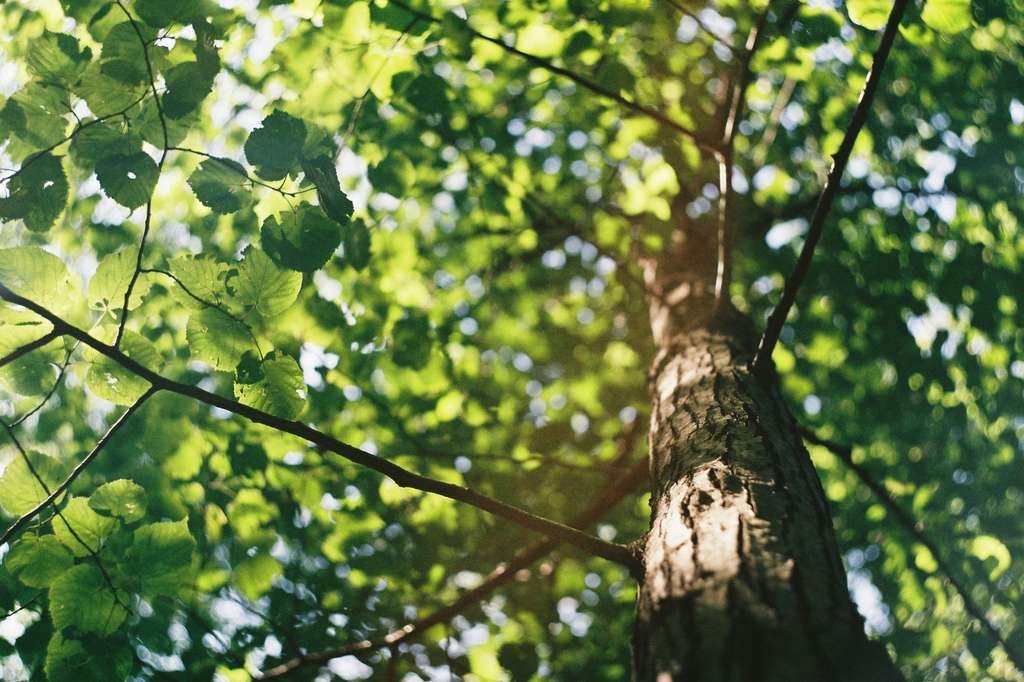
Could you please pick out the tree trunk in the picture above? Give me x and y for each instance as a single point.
(743, 579)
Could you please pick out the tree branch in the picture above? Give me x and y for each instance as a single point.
(715, 37)
(52, 497)
(724, 156)
(835, 176)
(160, 165)
(581, 80)
(78, 128)
(619, 554)
(79, 468)
(845, 454)
(501, 575)
(29, 347)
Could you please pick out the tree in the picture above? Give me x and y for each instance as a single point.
(325, 329)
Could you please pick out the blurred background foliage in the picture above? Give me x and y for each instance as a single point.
(497, 336)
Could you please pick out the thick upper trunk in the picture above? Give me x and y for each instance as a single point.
(743, 579)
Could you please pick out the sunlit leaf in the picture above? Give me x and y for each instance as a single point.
(82, 600)
(122, 498)
(274, 385)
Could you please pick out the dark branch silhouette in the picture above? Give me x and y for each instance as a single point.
(845, 455)
(501, 575)
(828, 195)
(403, 477)
(581, 80)
(77, 471)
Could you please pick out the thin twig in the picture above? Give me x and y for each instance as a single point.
(361, 101)
(501, 575)
(24, 606)
(734, 112)
(53, 389)
(234, 169)
(159, 166)
(845, 454)
(78, 128)
(860, 115)
(581, 80)
(57, 512)
(81, 466)
(720, 39)
(208, 304)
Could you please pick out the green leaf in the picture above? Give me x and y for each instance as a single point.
(160, 558)
(188, 84)
(275, 146)
(148, 125)
(86, 526)
(160, 13)
(357, 245)
(541, 39)
(38, 560)
(122, 498)
(303, 240)
(106, 95)
(428, 94)
(110, 381)
(37, 194)
(520, 659)
(204, 277)
(56, 57)
(42, 277)
(947, 16)
(71, 660)
(394, 174)
(871, 14)
(128, 179)
(217, 338)
(98, 140)
(255, 575)
(261, 286)
(412, 341)
(274, 385)
(122, 57)
(333, 201)
(110, 282)
(82, 600)
(221, 185)
(34, 119)
(989, 547)
(31, 374)
(20, 490)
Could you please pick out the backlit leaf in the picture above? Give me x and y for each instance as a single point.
(275, 146)
(81, 599)
(122, 498)
(221, 185)
(301, 240)
(128, 179)
(274, 385)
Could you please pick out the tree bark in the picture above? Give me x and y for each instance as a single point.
(742, 574)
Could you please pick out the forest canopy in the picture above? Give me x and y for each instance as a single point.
(326, 325)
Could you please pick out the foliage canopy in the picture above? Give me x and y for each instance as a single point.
(410, 233)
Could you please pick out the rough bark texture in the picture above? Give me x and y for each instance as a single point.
(743, 579)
